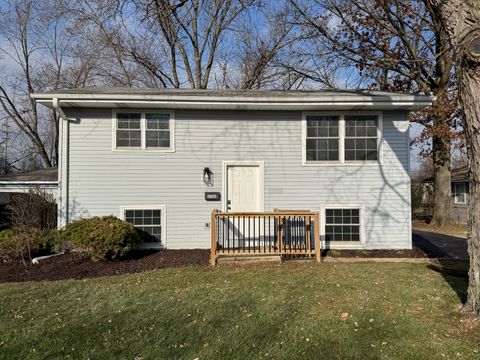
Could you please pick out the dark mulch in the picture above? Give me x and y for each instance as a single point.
(79, 266)
(414, 253)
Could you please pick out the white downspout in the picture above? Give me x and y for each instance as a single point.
(62, 217)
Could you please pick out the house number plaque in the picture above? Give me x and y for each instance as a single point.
(212, 196)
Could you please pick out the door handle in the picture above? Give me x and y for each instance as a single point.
(229, 202)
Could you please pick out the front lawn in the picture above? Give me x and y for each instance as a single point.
(289, 311)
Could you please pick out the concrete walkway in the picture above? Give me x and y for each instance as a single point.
(440, 244)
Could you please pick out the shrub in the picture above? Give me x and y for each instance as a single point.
(102, 237)
(35, 209)
(24, 243)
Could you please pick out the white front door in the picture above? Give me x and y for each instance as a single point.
(244, 188)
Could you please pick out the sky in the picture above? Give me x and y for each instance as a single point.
(344, 80)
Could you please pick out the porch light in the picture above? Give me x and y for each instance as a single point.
(207, 176)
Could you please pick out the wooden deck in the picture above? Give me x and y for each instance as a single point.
(278, 233)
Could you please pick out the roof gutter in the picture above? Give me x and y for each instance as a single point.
(232, 99)
(244, 104)
(58, 109)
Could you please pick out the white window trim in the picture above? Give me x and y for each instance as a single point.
(143, 147)
(163, 214)
(455, 201)
(341, 133)
(341, 244)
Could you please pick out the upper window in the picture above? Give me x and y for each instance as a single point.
(341, 138)
(342, 225)
(322, 138)
(129, 132)
(144, 130)
(361, 138)
(460, 192)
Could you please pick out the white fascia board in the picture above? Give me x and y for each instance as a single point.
(25, 186)
(31, 183)
(235, 99)
(224, 104)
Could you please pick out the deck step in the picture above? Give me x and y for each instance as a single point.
(225, 259)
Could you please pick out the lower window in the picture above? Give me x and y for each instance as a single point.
(342, 225)
(148, 222)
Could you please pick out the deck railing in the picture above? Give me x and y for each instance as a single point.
(282, 233)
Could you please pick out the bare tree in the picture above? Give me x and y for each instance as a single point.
(461, 20)
(45, 52)
(401, 46)
(260, 49)
(192, 31)
(20, 31)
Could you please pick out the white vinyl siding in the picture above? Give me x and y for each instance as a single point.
(102, 180)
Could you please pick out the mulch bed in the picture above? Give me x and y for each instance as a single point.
(79, 266)
(414, 253)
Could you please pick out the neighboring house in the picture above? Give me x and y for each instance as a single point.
(19, 182)
(460, 193)
(43, 179)
(165, 159)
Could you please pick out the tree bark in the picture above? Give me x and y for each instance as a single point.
(442, 198)
(441, 141)
(441, 154)
(462, 23)
(469, 76)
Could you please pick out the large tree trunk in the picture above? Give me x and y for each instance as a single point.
(442, 110)
(462, 23)
(442, 212)
(470, 96)
(442, 200)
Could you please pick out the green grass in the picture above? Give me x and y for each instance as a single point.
(287, 311)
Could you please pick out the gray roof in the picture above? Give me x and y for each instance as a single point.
(42, 175)
(221, 93)
(460, 174)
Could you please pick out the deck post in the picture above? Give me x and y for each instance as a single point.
(213, 244)
(317, 236)
(308, 235)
